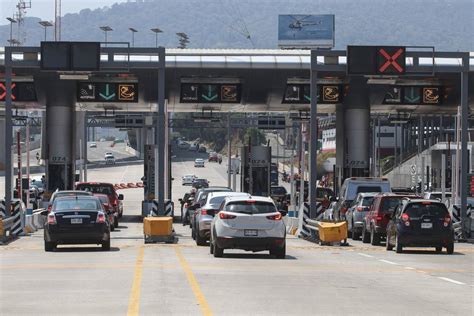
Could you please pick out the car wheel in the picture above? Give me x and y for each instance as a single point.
(116, 222)
(200, 241)
(193, 234)
(279, 252)
(450, 248)
(398, 246)
(106, 245)
(365, 235)
(438, 249)
(120, 214)
(49, 246)
(374, 237)
(355, 235)
(211, 247)
(112, 227)
(217, 251)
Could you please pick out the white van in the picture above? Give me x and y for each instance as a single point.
(355, 185)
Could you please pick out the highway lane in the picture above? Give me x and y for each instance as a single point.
(184, 279)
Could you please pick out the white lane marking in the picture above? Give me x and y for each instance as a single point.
(123, 174)
(451, 280)
(389, 262)
(409, 268)
(364, 255)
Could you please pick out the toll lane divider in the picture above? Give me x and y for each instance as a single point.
(304, 230)
(169, 209)
(14, 225)
(458, 224)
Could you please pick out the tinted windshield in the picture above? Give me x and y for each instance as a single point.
(390, 204)
(278, 190)
(75, 204)
(95, 188)
(420, 209)
(103, 199)
(355, 188)
(250, 207)
(367, 201)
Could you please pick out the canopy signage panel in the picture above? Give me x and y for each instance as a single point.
(300, 94)
(70, 56)
(107, 92)
(376, 60)
(414, 95)
(210, 93)
(306, 31)
(21, 92)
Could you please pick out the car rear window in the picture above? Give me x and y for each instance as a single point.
(367, 201)
(75, 204)
(103, 199)
(420, 209)
(250, 207)
(278, 190)
(96, 188)
(390, 204)
(355, 188)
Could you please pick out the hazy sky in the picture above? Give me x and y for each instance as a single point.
(44, 9)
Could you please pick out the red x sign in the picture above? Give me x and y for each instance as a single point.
(391, 60)
(3, 91)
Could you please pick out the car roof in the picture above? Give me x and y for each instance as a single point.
(420, 200)
(94, 183)
(249, 197)
(366, 179)
(82, 197)
(368, 194)
(227, 193)
(73, 192)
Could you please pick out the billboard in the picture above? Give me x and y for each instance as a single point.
(306, 31)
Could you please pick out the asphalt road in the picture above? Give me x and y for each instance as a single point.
(184, 279)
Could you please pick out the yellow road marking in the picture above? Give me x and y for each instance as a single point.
(134, 301)
(206, 311)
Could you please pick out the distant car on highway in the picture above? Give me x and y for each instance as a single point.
(198, 162)
(104, 188)
(202, 149)
(183, 145)
(93, 145)
(194, 147)
(248, 223)
(200, 183)
(109, 159)
(420, 223)
(188, 179)
(76, 220)
(213, 157)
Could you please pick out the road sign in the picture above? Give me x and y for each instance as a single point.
(391, 60)
(412, 95)
(69, 56)
(330, 94)
(376, 60)
(393, 95)
(431, 95)
(210, 93)
(300, 94)
(21, 91)
(107, 92)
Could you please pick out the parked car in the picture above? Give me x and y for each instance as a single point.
(420, 223)
(109, 159)
(188, 179)
(355, 185)
(204, 215)
(104, 188)
(198, 162)
(93, 145)
(71, 193)
(76, 220)
(183, 145)
(375, 223)
(355, 215)
(249, 223)
(109, 210)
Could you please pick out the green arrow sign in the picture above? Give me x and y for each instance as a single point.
(211, 94)
(107, 96)
(412, 95)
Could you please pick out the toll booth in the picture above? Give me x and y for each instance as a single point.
(256, 170)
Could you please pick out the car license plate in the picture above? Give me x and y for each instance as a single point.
(426, 225)
(250, 232)
(76, 220)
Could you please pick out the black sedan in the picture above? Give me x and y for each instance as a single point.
(76, 220)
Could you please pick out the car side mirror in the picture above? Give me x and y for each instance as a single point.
(334, 199)
(283, 212)
(181, 200)
(120, 197)
(44, 213)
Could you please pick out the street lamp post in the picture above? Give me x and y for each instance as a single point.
(45, 24)
(156, 31)
(133, 35)
(12, 20)
(106, 29)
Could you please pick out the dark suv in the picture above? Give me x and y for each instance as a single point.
(375, 222)
(420, 223)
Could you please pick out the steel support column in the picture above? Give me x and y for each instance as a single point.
(160, 131)
(464, 136)
(229, 151)
(313, 146)
(8, 130)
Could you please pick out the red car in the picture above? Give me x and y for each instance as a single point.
(375, 223)
(104, 188)
(213, 157)
(110, 211)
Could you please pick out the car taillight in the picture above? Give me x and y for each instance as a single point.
(343, 210)
(223, 215)
(51, 219)
(203, 212)
(100, 217)
(50, 206)
(447, 220)
(275, 217)
(360, 208)
(378, 218)
(406, 219)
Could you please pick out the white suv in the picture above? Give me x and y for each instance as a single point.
(250, 223)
